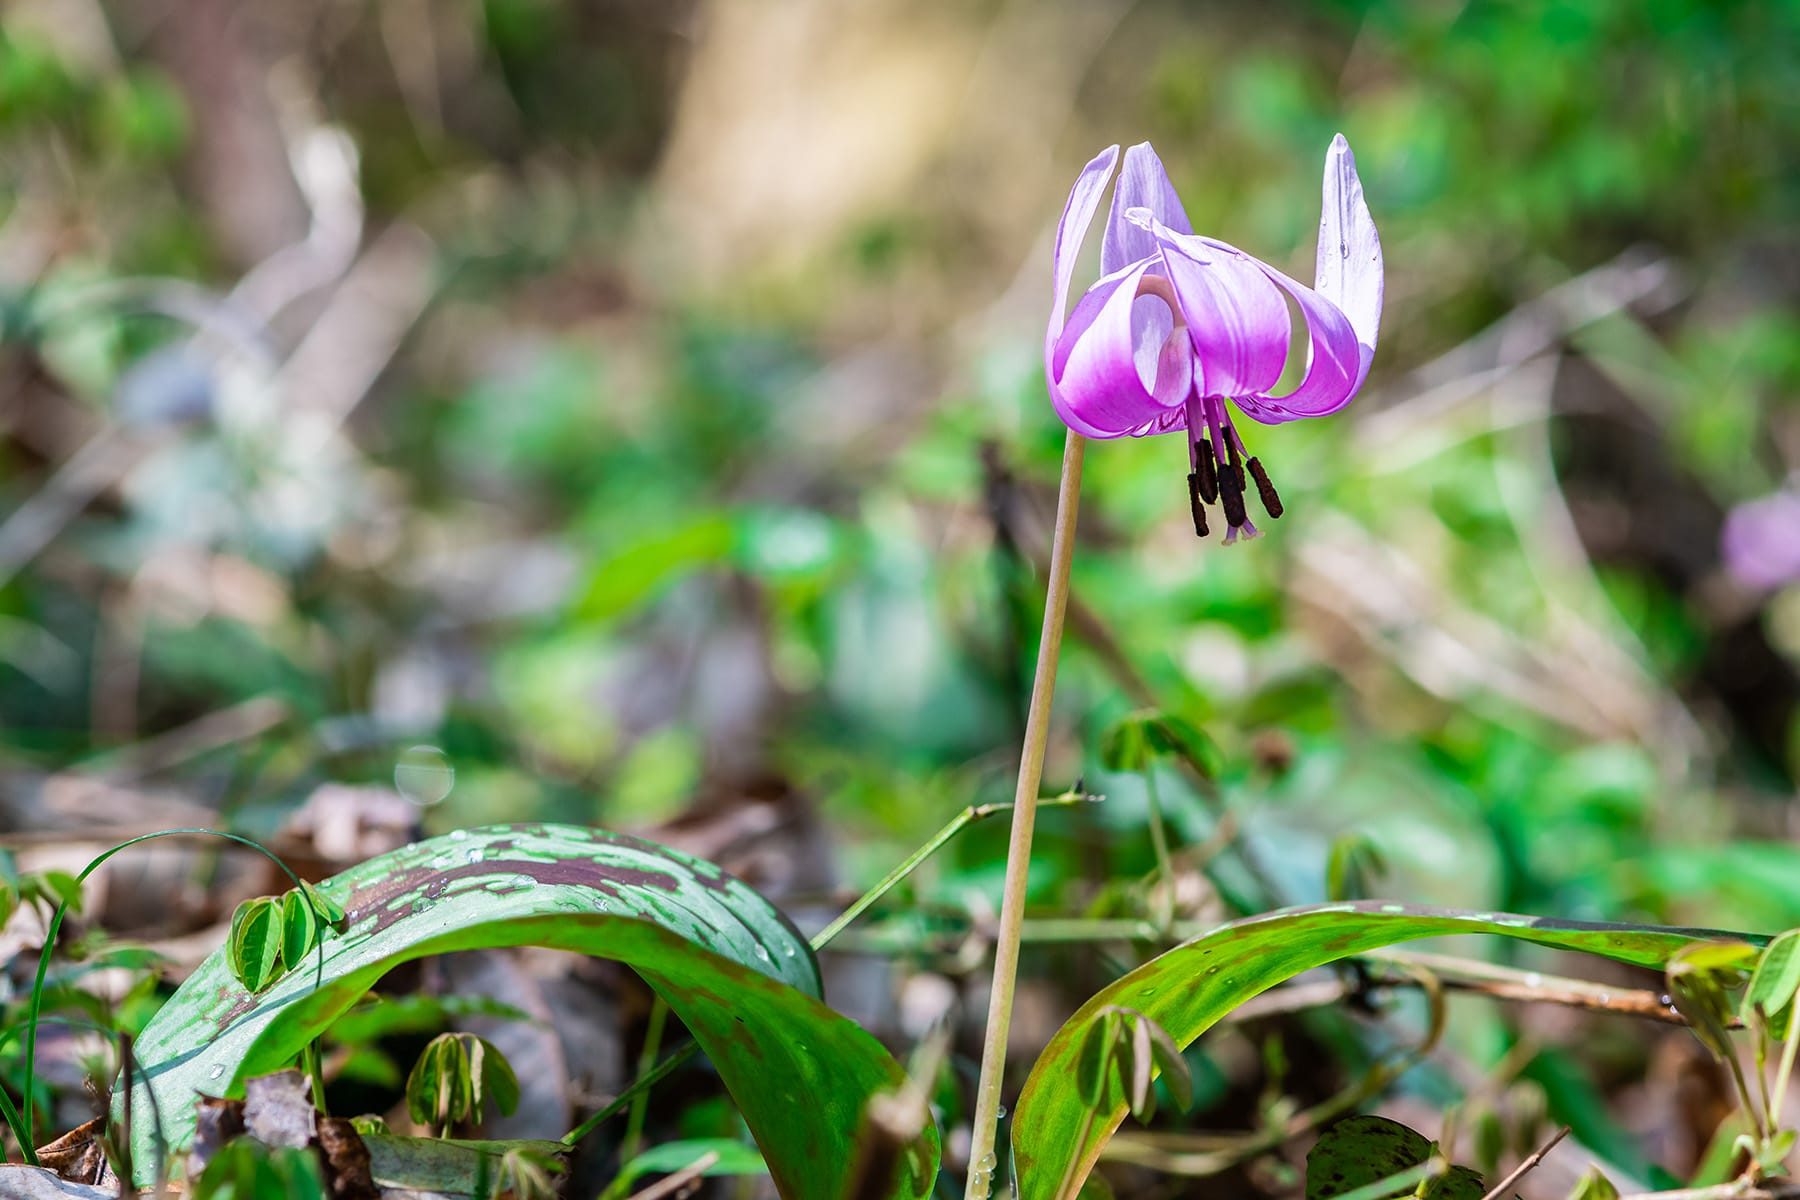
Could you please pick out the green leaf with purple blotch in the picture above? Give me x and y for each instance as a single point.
(730, 966)
(1187, 989)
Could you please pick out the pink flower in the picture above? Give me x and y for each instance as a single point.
(1179, 324)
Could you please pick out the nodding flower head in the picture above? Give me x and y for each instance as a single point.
(1178, 326)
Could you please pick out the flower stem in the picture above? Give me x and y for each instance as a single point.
(982, 1159)
(1163, 909)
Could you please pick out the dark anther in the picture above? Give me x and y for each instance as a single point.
(1237, 465)
(1194, 502)
(1265, 489)
(1231, 492)
(1209, 472)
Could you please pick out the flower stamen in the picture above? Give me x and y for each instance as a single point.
(1206, 469)
(1271, 502)
(1197, 502)
(1231, 484)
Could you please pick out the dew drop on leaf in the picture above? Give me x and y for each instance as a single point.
(424, 775)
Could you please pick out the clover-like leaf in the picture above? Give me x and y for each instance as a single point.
(255, 943)
(299, 928)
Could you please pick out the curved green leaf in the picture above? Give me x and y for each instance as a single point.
(255, 943)
(729, 964)
(1190, 987)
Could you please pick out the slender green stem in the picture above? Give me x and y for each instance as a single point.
(27, 1137)
(982, 1158)
(313, 1065)
(1164, 909)
(936, 842)
(962, 820)
(1787, 1064)
(634, 1123)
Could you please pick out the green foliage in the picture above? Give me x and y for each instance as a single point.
(1126, 1052)
(1700, 979)
(728, 1158)
(270, 937)
(1355, 862)
(731, 968)
(1594, 1186)
(1187, 989)
(1138, 739)
(1775, 982)
(245, 1169)
(1358, 1152)
(457, 1074)
(255, 943)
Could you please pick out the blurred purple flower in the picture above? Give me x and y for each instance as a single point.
(1179, 324)
(1761, 541)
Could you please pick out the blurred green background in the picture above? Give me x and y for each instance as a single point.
(635, 408)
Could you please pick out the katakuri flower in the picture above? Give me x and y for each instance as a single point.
(1179, 325)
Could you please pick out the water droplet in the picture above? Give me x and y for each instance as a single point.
(523, 880)
(1606, 997)
(459, 835)
(217, 1071)
(789, 952)
(442, 862)
(423, 775)
(1148, 992)
(1001, 1114)
(475, 855)
(1534, 980)
(762, 952)
(1344, 249)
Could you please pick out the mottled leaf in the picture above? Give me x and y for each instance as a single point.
(1189, 988)
(731, 967)
(1357, 1152)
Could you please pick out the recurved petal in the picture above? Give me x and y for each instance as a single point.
(1333, 360)
(1078, 214)
(1236, 318)
(1143, 183)
(1350, 269)
(1115, 370)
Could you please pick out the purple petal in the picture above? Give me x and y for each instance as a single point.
(1349, 271)
(1236, 318)
(1761, 541)
(1142, 184)
(1078, 214)
(1097, 368)
(1333, 361)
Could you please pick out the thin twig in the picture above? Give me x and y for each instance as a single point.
(1537, 1156)
(1737, 1189)
(670, 1185)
